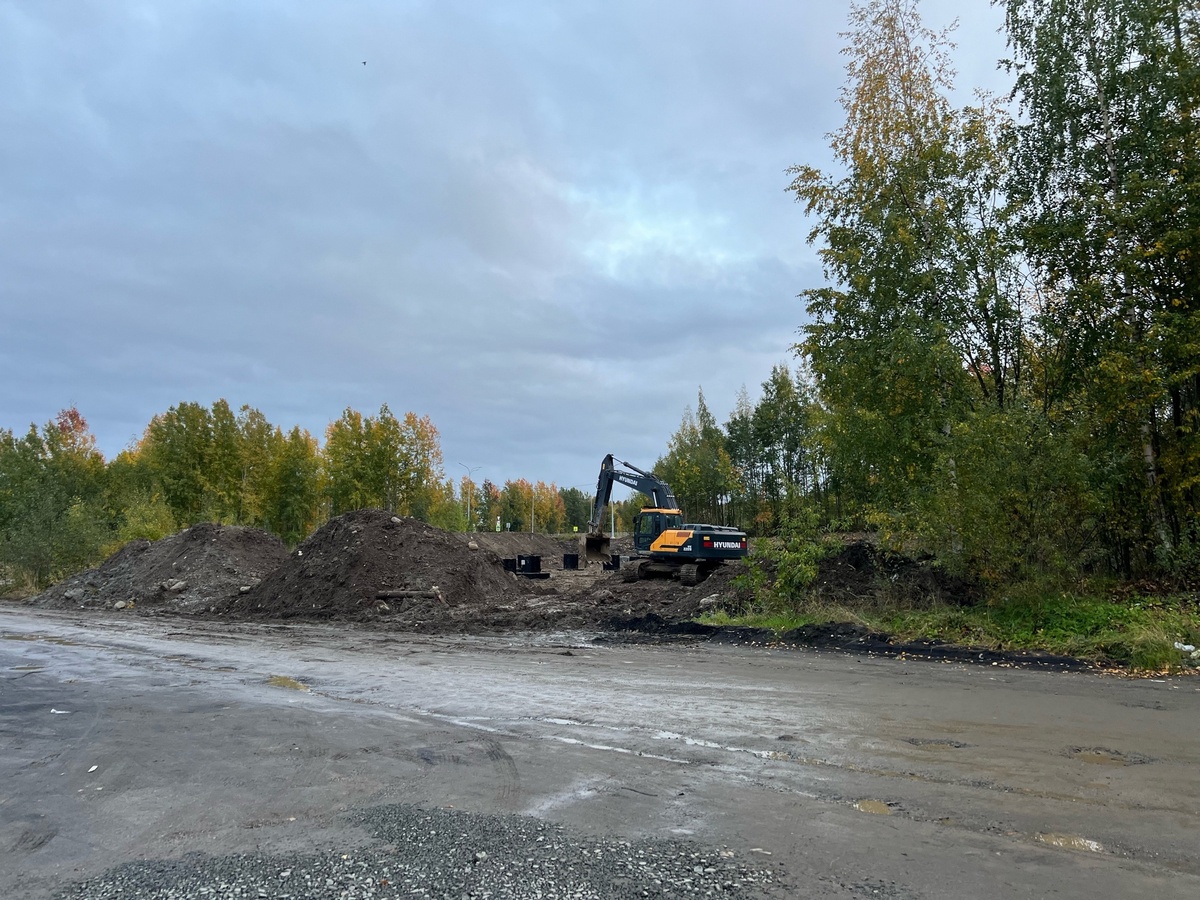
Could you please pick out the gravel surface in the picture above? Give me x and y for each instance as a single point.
(449, 854)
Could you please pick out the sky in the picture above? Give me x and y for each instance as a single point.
(547, 226)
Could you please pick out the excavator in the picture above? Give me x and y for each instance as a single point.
(663, 544)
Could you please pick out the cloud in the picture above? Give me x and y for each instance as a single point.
(543, 225)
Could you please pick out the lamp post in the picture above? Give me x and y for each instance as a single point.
(471, 470)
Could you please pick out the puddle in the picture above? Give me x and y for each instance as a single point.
(1100, 759)
(1071, 842)
(62, 642)
(874, 807)
(284, 682)
(1102, 756)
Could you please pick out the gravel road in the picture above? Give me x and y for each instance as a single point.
(167, 758)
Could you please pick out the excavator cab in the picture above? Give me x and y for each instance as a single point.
(650, 523)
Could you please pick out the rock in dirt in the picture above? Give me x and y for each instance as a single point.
(190, 570)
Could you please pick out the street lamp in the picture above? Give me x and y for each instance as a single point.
(471, 470)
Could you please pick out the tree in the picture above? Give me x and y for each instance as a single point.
(423, 474)
(223, 472)
(515, 506)
(1108, 164)
(490, 515)
(208, 465)
(577, 508)
(383, 462)
(925, 319)
(444, 509)
(472, 503)
(550, 514)
(291, 494)
(698, 466)
(350, 483)
(784, 433)
(260, 444)
(53, 519)
(176, 449)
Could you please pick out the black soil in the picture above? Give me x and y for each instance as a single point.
(864, 573)
(368, 564)
(193, 569)
(845, 637)
(401, 573)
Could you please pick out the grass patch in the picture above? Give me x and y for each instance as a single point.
(1139, 632)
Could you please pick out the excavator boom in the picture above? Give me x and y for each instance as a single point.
(596, 542)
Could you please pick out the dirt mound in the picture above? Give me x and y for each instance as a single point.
(427, 577)
(195, 568)
(510, 544)
(404, 574)
(864, 573)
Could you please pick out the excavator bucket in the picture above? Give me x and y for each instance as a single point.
(596, 547)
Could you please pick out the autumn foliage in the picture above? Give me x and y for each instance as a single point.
(63, 507)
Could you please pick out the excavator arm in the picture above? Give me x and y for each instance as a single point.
(595, 542)
(638, 479)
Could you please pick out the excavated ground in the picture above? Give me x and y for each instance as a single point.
(184, 572)
(398, 573)
(371, 566)
(401, 573)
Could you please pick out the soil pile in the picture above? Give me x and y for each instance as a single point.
(371, 564)
(863, 573)
(193, 569)
(404, 574)
(508, 544)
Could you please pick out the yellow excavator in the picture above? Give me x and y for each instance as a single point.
(664, 545)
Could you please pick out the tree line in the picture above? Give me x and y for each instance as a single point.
(1004, 365)
(1003, 368)
(63, 507)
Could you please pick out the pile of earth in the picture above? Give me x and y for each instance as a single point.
(186, 571)
(401, 573)
(510, 544)
(862, 573)
(369, 564)
(374, 567)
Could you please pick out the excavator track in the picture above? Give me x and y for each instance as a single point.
(690, 574)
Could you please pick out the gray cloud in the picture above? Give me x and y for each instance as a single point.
(543, 225)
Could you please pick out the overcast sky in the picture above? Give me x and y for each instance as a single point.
(544, 225)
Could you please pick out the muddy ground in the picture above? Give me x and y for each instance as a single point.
(173, 757)
(400, 574)
(212, 714)
(370, 566)
(186, 572)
